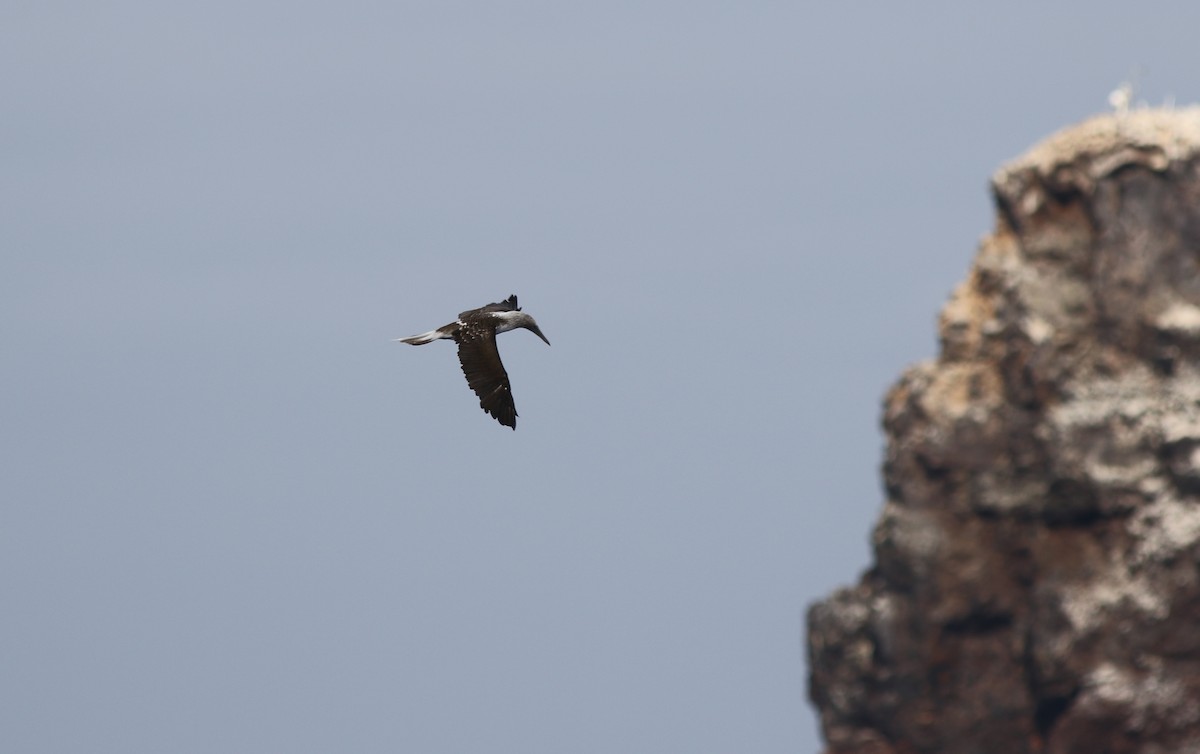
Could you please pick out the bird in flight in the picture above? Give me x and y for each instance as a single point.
(475, 333)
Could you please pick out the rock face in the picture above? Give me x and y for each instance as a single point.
(1036, 585)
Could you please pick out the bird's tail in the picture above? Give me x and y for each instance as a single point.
(419, 340)
(427, 337)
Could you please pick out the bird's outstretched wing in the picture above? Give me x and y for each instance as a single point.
(507, 305)
(485, 373)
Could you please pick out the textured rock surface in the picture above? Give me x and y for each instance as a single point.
(1036, 585)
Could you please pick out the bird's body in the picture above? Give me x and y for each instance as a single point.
(475, 333)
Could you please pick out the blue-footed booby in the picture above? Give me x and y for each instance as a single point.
(475, 333)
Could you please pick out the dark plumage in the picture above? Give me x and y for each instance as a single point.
(475, 333)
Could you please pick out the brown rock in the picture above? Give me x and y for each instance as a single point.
(1036, 585)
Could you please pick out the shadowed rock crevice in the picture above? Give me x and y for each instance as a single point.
(1035, 586)
(1049, 710)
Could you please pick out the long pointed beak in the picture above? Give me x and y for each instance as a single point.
(536, 331)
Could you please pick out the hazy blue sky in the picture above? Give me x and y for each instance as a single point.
(235, 517)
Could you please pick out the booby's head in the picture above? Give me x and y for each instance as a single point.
(528, 323)
(513, 320)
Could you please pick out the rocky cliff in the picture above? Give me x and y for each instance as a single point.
(1036, 585)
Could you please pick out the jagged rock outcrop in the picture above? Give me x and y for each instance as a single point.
(1036, 585)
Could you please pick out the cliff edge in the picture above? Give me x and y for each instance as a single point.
(1036, 584)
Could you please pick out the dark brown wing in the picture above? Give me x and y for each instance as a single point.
(507, 305)
(485, 373)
